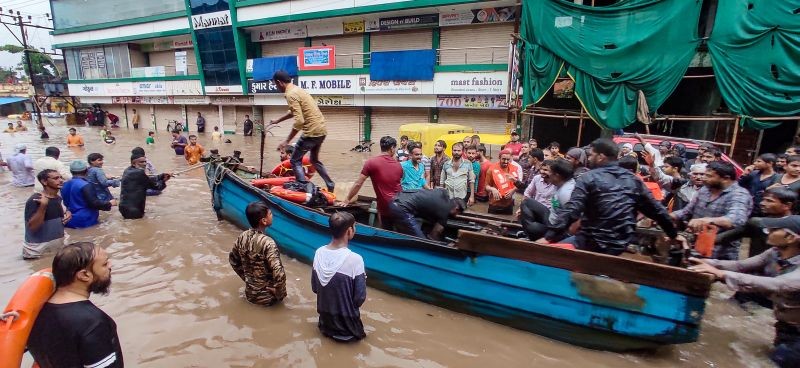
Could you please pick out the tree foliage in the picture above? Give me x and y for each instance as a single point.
(41, 64)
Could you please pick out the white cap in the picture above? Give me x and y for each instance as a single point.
(20, 147)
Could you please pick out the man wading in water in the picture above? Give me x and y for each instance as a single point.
(309, 120)
(135, 183)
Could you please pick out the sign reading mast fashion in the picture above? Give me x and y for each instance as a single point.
(317, 58)
(212, 20)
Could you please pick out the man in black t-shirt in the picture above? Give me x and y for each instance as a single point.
(433, 205)
(45, 217)
(71, 331)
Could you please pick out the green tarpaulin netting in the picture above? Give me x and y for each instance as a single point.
(755, 52)
(611, 52)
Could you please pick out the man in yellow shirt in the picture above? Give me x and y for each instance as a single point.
(193, 152)
(74, 139)
(309, 120)
(136, 119)
(10, 128)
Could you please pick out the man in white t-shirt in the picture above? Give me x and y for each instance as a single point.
(50, 161)
(535, 214)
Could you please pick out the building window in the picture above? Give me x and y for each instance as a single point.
(218, 56)
(77, 13)
(102, 62)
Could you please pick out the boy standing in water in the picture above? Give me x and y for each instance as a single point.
(256, 260)
(340, 282)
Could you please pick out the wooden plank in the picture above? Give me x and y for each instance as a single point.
(489, 221)
(626, 270)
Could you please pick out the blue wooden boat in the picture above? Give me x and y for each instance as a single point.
(587, 299)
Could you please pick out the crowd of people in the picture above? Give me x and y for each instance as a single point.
(592, 198)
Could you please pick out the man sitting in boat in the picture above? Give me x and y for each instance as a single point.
(433, 205)
(255, 258)
(70, 330)
(284, 169)
(607, 199)
(781, 283)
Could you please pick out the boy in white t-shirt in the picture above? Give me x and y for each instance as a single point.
(340, 282)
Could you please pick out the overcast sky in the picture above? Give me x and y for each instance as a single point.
(36, 37)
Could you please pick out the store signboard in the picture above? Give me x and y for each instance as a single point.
(264, 87)
(354, 27)
(212, 20)
(330, 84)
(236, 89)
(479, 16)
(149, 88)
(149, 71)
(408, 22)
(327, 100)
(147, 100)
(190, 100)
(367, 86)
(233, 100)
(496, 102)
(277, 33)
(490, 83)
(119, 89)
(317, 58)
(83, 89)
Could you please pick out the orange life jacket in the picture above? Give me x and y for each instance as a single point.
(504, 180)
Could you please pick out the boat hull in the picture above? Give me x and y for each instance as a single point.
(586, 310)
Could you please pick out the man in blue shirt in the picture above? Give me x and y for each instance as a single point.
(80, 198)
(414, 170)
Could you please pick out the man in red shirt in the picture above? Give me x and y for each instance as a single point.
(481, 195)
(385, 173)
(514, 146)
(500, 181)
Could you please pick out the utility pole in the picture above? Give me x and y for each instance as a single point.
(26, 50)
(26, 55)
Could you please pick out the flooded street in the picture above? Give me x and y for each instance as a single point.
(178, 303)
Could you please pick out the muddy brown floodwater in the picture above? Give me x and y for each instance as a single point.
(177, 302)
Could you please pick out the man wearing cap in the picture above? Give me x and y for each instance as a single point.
(780, 283)
(50, 161)
(626, 150)
(500, 183)
(81, 199)
(514, 145)
(135, 183)
(21, 167)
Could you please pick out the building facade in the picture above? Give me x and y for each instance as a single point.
(172, 59)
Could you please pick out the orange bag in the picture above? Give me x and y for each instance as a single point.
(27, 302)
(704, 244)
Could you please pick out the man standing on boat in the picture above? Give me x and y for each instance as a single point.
(386, 174)
(71, 331)
(309, 120)
(781, 283)
(607, 199)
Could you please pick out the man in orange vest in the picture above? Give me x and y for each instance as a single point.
(285, 167)
(500, 181)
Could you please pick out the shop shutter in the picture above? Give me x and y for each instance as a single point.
(166, 113)
(349, 49)
(165, 59)
(209, 112)
(486, 37)
(404, 40)
(229, 119)
(387, 120)
(281, 48)
(118, 110)
(274, 112)
(343, 122)
(482, 121)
